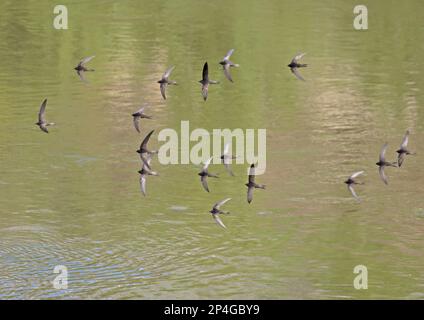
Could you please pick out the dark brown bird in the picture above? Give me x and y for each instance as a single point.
(206, 81)
(216, 211)
(144, 152)
(164, 82)
(137, 116)
(144, 172)
(294, 65)
(251, 184)
(403, 150)
(383, 163)
(42, 123)
(204, 174)
(80, 68)
(351, 182)
(226, 158)
(227, 64)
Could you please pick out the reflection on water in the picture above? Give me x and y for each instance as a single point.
(72, 197)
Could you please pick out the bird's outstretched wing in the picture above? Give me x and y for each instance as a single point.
(205, 88)
(405, 140)
(206, 164)
(81, 75)
(228, 167)
(205, 73)
(227, 72)
(143, 145)
(228, 55)
(227, 148)
(139, 111)
(354, 175)
(297, 57)
(218, 220)
(204, 181)
(401, 157)
(143, 184)
(168, 73)
(382, 174)
(295, 71)
(220, 203)
(352, 191)
(163, 90)
(383, 153)
(85, 60)
(41, 113)
(250, 194)
(136, 125)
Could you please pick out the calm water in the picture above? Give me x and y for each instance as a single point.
(72, 197)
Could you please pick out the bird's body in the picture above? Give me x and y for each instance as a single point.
(164, 81)
(251, 184)
(144, 172)
(351, 182)
(403, 150)
(226, 158)
(80, 68)
(42, 122)
(206, 81)
(204, 174)
(216, 211)
(227, 64)
(137, 116)
(382, 163)
(144, 152)
(295, 65)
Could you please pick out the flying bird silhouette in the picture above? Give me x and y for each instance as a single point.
(383, 163)
(227, 64)
(204, 174)
(137, 116)
(403, 150)
(42, 123)
(295, 65)
(216, 211)
(226, 158)
(80, 68)
(144, 172)
(164, 82)
(351, 182)
(206, 81)
(251, 184)
(144, 152)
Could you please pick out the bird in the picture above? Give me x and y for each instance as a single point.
(351, 182)
(294, 65)
(226, 158)
(137, 116)
(204, 174)
(80, 68)
(251, 184)
(227, 64)
(165, 81)
(206, 81)
(403, 150)
(216, 211)
(42, 123)
(144, 172)
(144, 152)
(383, 163)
